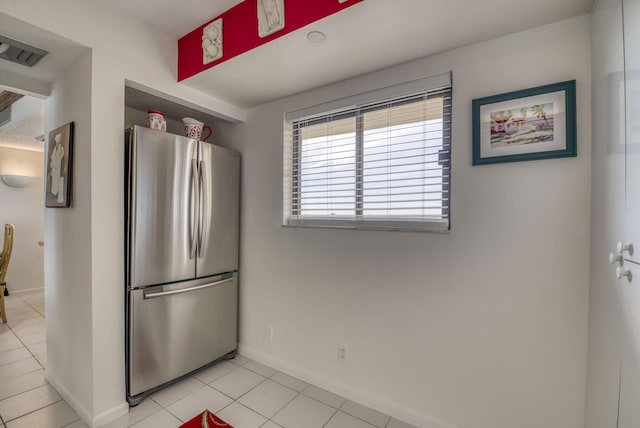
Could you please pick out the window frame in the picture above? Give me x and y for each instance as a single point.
(292, 197)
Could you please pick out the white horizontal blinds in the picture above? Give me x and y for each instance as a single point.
(377, 165)
(402, 169)
(326, 179)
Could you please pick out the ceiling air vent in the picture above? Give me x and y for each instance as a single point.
(7, 98)
(15, 51)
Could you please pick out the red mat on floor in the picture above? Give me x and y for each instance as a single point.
(205, 419)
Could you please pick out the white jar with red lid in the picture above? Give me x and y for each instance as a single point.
(155, 120)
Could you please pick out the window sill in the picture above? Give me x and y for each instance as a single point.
(391, 226)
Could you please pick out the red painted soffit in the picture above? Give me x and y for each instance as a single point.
(240, 31)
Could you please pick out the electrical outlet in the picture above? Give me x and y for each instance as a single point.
(270, 332)
(342, 353)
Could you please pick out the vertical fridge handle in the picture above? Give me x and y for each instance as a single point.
(194, 210)
(202, 232)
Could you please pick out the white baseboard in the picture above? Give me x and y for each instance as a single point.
(110, 415)
(26, 291)
(85, 415)
(393, 409)
(68, 397)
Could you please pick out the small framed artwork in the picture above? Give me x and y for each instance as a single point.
(535, 123)
(58, 166)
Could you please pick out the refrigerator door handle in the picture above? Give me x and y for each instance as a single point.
(193, 210)
(188, 290)
(202, 235)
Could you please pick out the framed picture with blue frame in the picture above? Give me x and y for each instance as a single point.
(529, 124)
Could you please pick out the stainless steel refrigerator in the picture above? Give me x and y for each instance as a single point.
(182, 212)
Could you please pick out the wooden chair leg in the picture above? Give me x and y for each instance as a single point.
(3, 312)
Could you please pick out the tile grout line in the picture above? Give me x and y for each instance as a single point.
(217, 390)
(39, 408)
(32, 307)
(236, 399)
(269, 419)
(39, 315)
(73, 422)
(150, 397)
(24, 344)
(26, 390)
(332, 416)
(347, 413)
(42, 368)
(174, 401)
(280, 409)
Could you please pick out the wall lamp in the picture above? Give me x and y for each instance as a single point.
(16, 180)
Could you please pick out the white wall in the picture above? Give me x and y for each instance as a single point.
(485, 327)
(68, 251)
(608, 173)
(24, 208)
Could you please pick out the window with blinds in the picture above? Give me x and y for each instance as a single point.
(377, 165)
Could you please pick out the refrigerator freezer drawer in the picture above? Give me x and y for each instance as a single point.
(175, 329)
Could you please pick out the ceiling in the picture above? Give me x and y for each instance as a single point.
(26, 126)
(368, 36)
(62, 52)
(27, 122)
(176, 17)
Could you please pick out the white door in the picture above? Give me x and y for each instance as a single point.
(606, 326)
(629, 288)
(632, 122)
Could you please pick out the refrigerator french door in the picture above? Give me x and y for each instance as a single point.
(182, 209)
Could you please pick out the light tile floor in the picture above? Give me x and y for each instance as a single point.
(244, 393)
